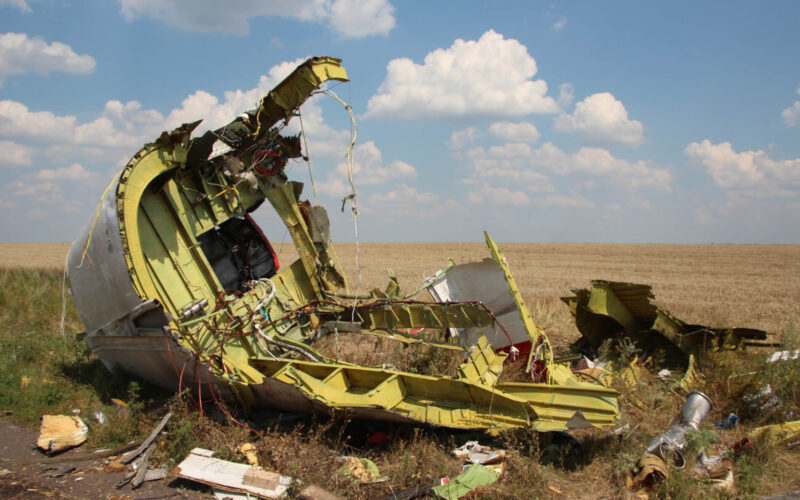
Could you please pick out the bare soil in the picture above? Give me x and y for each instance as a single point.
(26, 473)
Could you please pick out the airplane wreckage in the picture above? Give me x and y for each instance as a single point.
(176, 284)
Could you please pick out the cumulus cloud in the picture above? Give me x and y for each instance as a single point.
(791, 115)
(17, 121)
(752, 172)
(492, 76)
(573, 200)
(518, 162)
(498, 196)
(516, 132)
(560, 23)
(566, 93)
(13, 154)
(20, 5)
(74, 172)
(368, 170)
(601, 117)
(346, 18)
(20, 54)
(406, 201)
(462, 138)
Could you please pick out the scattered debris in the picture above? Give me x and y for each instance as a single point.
(650, 469)
(360, 470)
(231, 477)
(614, 310)
(783, 356)
(730, 423)
(62, 472)
(100, 417)
(129, 457)
(61, 432)
(669, 444)
(474, 477)
(762, 398)
(249, 451)
(714, 467)
(785, 432)
(475, 453)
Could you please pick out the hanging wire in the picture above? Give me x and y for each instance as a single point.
(352, 196)
(307, 157)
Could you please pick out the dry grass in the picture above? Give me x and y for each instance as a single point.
(721, 285)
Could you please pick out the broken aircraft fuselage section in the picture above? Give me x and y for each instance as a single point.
(177, 284)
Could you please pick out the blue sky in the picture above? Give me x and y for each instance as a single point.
(577, 121)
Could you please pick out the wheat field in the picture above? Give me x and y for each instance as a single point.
(756, 286)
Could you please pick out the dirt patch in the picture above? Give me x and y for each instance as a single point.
(27, 473)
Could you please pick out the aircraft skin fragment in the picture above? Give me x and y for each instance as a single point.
(177, 284)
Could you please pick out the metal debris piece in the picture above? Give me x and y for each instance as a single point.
(228, 476)
(614, 310)
(61, 432)
(784, 432)
(669, 444)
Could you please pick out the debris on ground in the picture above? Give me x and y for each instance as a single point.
(200, 466)
(669, 444)
(784, 432)
(360, 470)
(615, 310)
(783, 356)
(61, 432)
(249, 451)
(474, 477)
(714, 467)
(762, 398)
(476, 453)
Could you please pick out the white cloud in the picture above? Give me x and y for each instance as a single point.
(566, 93)
(360, 18)
(346, 18)
(498, 196)
(406, 201)
(20, 5)
(488, 77)
(74, 172)
(13, 154)
(753, 172)
(560, 23)
(517, 162)
(368, 170)
(601, 117)
(574, 200)
(460, 139)
(791, 115)
(515, 132)
(20, 54)
(17, 121)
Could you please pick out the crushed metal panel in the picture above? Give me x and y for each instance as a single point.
(610, 309)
